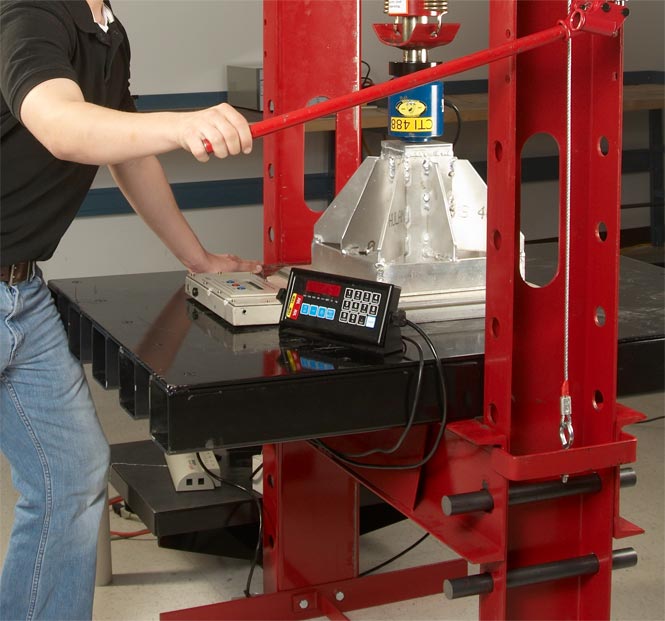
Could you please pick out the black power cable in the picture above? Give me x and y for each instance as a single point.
(394, 558)
(412, 413)
(256, 471)
(365, 80)
(257, 499)
(458, 114)
(649, 420)
(400, 319)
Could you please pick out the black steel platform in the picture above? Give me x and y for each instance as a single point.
(140, 475)
(205, 384)
(222, 521)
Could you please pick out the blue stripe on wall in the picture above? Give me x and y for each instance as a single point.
(204, 194)
(179, 101)
(319, 186)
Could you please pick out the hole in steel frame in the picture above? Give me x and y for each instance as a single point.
(271, 171)
(604, 146)
(508, 33)
(598, 400)
(271, 106)
(601, 231)
(271, 234)
(320, 151)
(270, 481)
(496, 328)
(316, 100)
(271, 541)
(498, 150)
(599, 316)
(496, 239)
(540, 198)
(577, 20)
(492, 413)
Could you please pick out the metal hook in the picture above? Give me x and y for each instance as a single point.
(566, 431)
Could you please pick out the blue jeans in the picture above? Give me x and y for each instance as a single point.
(59, 459)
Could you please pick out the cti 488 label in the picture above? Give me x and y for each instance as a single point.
(420, 124)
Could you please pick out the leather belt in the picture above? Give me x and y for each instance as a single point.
(17, 273)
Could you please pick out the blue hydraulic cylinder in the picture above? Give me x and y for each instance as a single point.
(416, 115)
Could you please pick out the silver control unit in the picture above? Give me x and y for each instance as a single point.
(241, 298)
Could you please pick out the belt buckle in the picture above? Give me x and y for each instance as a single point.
(13, 275)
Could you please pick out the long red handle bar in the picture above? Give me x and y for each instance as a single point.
(424, 76)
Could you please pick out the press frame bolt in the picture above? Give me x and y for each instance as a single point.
(339, 596)
(304, 604)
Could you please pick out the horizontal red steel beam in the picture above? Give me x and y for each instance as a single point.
(324, 599)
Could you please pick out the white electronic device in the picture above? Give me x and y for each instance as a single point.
(257, 471)
(241, 298)
(187, 474)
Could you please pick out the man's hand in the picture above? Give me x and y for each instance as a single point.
(228, 263)
(224, 127)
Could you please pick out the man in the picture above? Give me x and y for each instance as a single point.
(66, 109)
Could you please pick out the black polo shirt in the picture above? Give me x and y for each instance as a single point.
(41, 40)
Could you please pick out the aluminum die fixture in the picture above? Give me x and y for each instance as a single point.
(415, 217)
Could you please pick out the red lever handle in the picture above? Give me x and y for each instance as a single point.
(397, 85)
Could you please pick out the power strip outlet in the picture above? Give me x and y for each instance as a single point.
(257, 479)
(187, 474)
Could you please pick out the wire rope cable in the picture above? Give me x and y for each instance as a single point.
(566, 429)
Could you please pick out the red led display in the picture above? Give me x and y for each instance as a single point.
(323, 288)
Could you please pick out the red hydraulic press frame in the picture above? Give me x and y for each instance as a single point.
(311, 562)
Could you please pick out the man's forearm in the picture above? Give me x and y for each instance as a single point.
(72, 129)
(144, 184)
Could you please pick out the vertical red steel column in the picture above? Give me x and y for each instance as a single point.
(311, 50)
(502, 258)
(525, 324)
(310, 510)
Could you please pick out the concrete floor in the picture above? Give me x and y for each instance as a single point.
(148, 580)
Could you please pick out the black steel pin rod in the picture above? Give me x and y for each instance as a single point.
(535, 574)
(469, 502)
(627, 477)
(482, 500)
(624, 558)
(556, 570)
(533, 492)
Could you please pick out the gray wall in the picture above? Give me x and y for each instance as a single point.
(181, 46)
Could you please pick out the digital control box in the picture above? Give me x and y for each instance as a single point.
(341, 308)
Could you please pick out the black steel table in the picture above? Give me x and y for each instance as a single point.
(205, 384)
